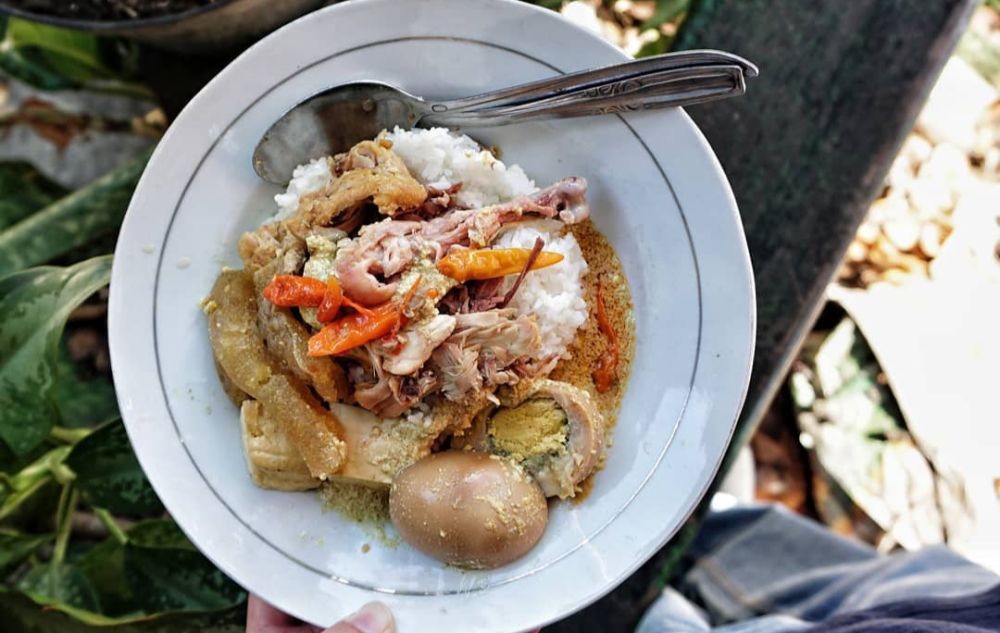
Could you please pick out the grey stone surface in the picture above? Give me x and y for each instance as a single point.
(90, 154)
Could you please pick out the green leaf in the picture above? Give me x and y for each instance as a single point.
(21, 615)
(24, 66)
(78, 588)
(666, 11)
(99, 245)
(15, 547)
(555, 5)
(82, 401)
(40, 467)
(54, 58)
(190, 583)
(104, 564)
(11, 463)
(108, 474)
(161, 533)
(59, 585)
(104, 567)
(34, 306)
(17, 498)
(178, 580)
(73, 54)
(24, 190)
(654, 47)
(19, 488)
(71, 221)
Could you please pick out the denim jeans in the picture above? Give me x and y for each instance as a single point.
(762, 569)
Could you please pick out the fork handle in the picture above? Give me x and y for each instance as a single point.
(672, 79)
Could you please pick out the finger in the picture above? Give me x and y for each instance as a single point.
(263, 618)
(374, 617)
(260, 615)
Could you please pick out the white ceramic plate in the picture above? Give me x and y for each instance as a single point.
(657, 192)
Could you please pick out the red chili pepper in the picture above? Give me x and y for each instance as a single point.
(332, 301)
(362, 327)
(350, 303)
(290, 291)
(355, 329)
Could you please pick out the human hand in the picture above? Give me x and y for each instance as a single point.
(374, 617)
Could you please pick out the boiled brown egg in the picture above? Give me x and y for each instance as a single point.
(468, 509)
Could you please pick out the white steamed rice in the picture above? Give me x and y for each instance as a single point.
(553, 294)
(306, 179)
(439, 158)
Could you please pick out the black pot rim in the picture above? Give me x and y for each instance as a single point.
(112, 25)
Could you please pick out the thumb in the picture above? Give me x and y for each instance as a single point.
(374, 617)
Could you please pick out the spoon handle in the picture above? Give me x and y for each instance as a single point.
(672, 79)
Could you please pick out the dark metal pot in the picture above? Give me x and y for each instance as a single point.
(222, 25)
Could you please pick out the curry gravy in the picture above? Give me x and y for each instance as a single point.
(590, 343)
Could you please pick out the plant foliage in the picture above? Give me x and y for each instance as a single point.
(65, 459)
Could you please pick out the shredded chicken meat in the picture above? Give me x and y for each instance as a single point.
(412, 346)
(369, 171)
(485, 349)
(384, 249)
(455, 342)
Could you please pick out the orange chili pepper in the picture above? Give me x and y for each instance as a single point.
(293, 291)
(355, 329)
(290, 291)
(350, 303)
(332, 301)
(361, 327)
(607, 365)
(463, 265)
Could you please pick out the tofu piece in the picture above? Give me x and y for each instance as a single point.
(378, 448)
(272, 459)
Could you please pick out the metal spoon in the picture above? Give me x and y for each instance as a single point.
(339, 117)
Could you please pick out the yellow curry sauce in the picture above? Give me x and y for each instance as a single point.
(590, 343)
